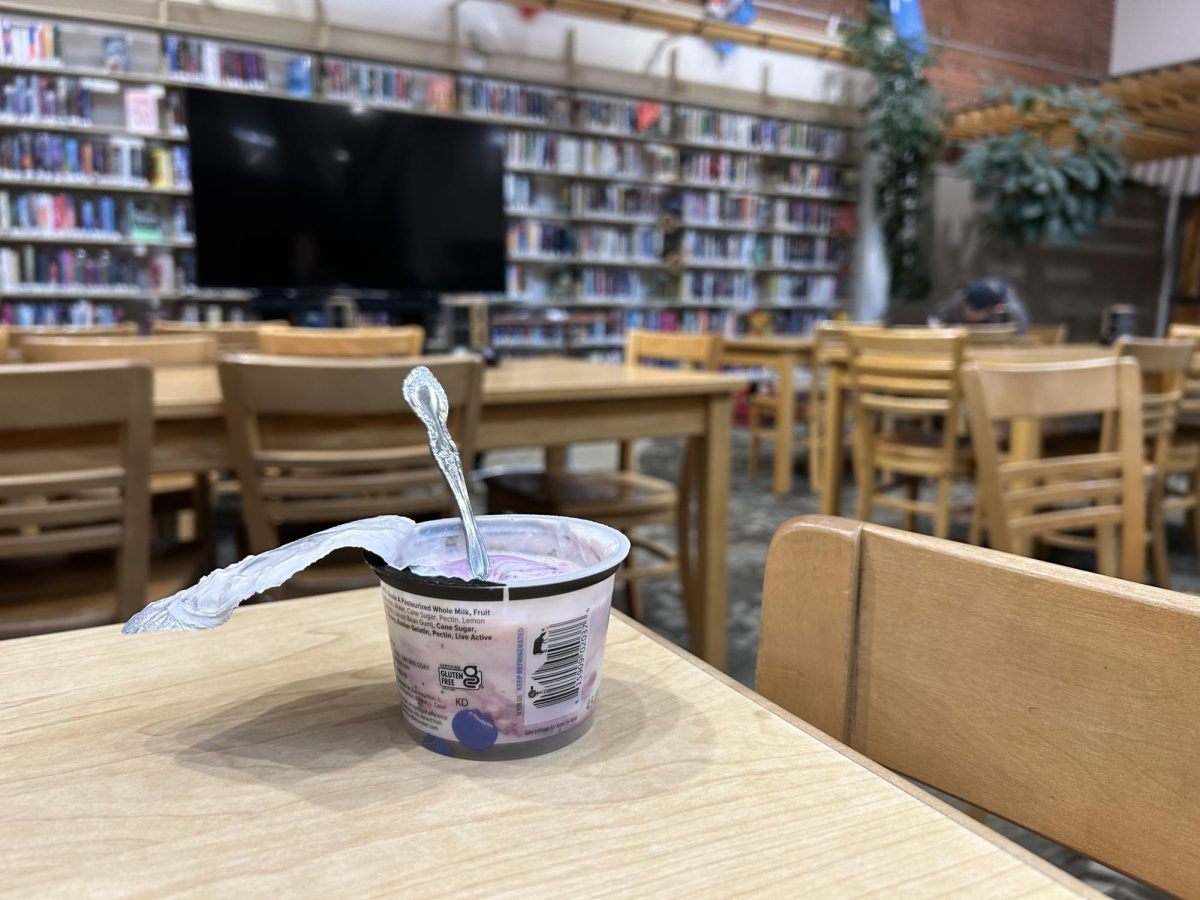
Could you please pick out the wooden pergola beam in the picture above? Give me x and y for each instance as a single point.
(1163, 106)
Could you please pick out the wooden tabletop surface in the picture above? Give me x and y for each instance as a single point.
(195, 391)
(268, 756)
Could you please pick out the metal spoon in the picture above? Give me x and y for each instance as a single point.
(425, 394)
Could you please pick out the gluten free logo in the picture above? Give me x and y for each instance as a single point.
(460, 678)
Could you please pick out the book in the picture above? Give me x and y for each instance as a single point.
(115, 48)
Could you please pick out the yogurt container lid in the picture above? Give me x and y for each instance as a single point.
(598, 549)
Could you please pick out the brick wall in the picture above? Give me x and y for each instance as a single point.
(1033, 41)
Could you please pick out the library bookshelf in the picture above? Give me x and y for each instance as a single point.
(652, 211)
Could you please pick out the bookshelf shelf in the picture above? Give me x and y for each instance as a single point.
(51, 68)
(8, 179)
(630, 263)
(20, 123)
(103, 240)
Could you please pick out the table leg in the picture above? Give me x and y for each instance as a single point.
(833, 461)
(707, 602)
(785, 422)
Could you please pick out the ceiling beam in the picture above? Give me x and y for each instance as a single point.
(677, 18)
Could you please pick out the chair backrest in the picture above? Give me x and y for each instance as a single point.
(18, 334)
(158, 350)
(1189, 406)
(1061, 700)
(908, 373)
(1048, 335)
(326, 441)
(1164, 364)
(231, 336)
(697, 351)
(52, 417)
(1104, 490)
(405, 340)
(831, 340)
(991, 335)
(4, 342)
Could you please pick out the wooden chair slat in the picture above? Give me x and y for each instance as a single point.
(328, 510)
(159, 350)
(61, 512)
(66, 540)
(1063, 492)
(347, 460)
(276, 486)
(61, 482)
(402, 341)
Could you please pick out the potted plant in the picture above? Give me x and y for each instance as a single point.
(903, 126)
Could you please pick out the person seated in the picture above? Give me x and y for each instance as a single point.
(989, 301)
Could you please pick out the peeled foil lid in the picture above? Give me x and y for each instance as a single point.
(211, 601)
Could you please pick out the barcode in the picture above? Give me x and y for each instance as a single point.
(559, 677)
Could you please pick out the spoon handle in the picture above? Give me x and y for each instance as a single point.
(427, 398)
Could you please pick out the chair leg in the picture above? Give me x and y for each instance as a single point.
(752, 460)
(1107, 555)
(941, 518)
(633, 594)
(975, 532)
(863, 453)
(683, 524)
(912, 489)
(1159, 559)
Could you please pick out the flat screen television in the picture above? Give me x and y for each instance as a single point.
(295, 195)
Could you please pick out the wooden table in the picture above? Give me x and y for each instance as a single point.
(268, 757)
(783, 355)
(537, 403)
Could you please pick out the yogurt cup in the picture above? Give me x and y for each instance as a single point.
(501, 671)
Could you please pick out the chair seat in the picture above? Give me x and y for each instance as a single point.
(594, 495)
(49, 594)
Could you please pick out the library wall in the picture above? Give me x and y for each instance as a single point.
(1028, 41)
(1072, 284)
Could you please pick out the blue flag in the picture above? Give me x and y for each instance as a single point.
(742, 14)
(908, 21)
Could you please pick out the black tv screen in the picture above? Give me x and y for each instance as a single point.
(295, 195)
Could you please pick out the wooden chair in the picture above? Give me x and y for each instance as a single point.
(407, 340)
(318, 442)
(830, 358)
(626, 499)
(74, 498)
(1164, 364)
(902, 378)
(991, 335)
(1047, 335)
(1183, 462)
(1060, 700)
(4, 343)
(159, 350)
(17, 335)
(1027, 496)
(182, 502)
(232, 337)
